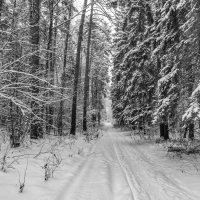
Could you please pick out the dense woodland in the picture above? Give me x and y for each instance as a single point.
(101, 98)
(156, 66)
(54, 61)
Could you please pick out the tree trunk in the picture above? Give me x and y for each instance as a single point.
(50, 66)
(15, 114)
(94, 100)
(162, 130)
(185, 132)
(166, 132)
(99, 116)
(77, 69)
(1, 8)
(191, 131)
(99, 105)
(87, 71)
(54, 59)
(36, 127)
(64, 75)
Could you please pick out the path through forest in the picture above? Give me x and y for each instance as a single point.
(118, 169)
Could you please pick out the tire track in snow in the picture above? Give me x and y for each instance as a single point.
(162, 186)
(118, 182)
(170, 186)
(70, 189)
(137, 192)
(99, 178)
(118, 170)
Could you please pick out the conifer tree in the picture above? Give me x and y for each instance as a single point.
(77, 70)
(87, 70)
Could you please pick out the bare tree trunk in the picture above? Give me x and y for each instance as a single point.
(50, 66)
(166, 132)
(77, 69)
(16, 53)
(87, 71)
(164, 128)
(64, 75)
(94, 99)
(1, 8)
(36, 127)
(191, 130)
(54, 59)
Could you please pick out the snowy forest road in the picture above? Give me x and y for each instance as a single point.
(118, 170)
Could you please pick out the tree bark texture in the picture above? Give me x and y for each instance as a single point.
(77, 70)
(50, 65)
(64, 75)
(34, 5)
(1, 7)
(87, 71)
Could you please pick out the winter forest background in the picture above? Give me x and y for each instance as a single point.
(156, 66)
(65, 63)
(40, 67)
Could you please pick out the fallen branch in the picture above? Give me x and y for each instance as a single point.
(176, 149)
(191, 150)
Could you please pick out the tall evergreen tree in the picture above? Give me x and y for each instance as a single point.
(77, 70)
(87, 70)
(154, 76)
(64, 73)
(49, 63)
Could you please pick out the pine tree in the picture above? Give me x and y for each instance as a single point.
(49, 64)
(77, 70)
(87, 70)
(64, 73)
(190, 49)
(167, 83)
(133, 58)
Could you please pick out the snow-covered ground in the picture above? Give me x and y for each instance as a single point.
(116, 167)
(64, 156)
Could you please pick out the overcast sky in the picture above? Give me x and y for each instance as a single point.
(78, 4)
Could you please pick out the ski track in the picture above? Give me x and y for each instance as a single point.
(118, 170)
